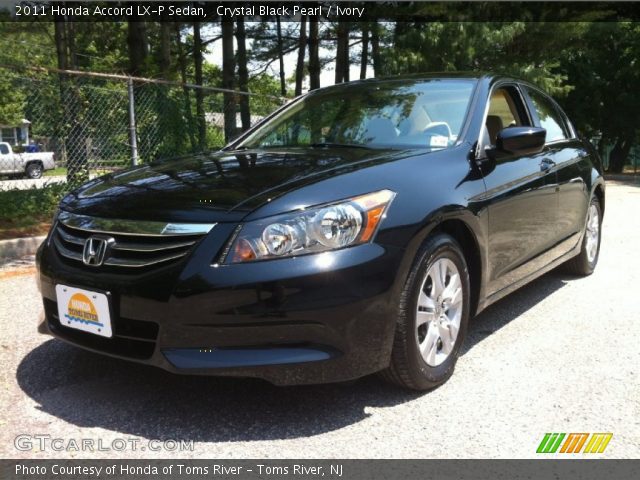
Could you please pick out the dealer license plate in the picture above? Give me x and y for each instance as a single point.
(84, 310)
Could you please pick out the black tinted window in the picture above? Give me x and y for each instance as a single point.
(4, 149)
(550, 119)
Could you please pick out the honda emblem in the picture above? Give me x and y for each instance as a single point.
(95, 250)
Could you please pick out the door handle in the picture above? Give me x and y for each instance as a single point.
(546, 164)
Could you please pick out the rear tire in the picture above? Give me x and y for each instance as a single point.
(34, 170)
(585, 262)
(433, 315)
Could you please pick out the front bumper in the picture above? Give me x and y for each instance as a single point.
(312, 319)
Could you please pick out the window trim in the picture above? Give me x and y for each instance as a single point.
(480, 150)
(565, 124)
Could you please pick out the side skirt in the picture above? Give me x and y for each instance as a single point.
(482, 304)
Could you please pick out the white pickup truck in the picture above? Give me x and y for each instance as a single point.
(30, 164)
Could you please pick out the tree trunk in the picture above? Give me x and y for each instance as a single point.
(375, 50)
(346, 59)
(164, 106)
(342, 53)
(302, 46)
(60, 35)
(186, 97)
(619, 155)
(137, 42)
(314, 57)
(75, 144)
(364, 56)
(197, 63)
(165, 49)
(243, 75)
(228, 70)
(283, 85)
(71, 46)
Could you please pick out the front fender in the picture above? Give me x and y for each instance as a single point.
(447, 220)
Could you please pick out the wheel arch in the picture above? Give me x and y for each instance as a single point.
(462, 233)
(37, 160)
(464, 227)
(598, 191)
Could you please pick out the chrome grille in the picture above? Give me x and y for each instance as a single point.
(135, 245)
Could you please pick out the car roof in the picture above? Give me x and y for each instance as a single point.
(416, 77)
(437, 75)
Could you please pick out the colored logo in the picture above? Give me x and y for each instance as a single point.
(574, 443)
(81, 309)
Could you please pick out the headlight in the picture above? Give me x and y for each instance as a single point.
(318, 229)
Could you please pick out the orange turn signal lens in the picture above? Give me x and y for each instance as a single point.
(243, 251)
(373, 218)
(374, 206)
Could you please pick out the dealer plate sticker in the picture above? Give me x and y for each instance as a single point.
(439, 141)
(84, 310)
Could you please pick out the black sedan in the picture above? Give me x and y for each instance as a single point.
(356, 230)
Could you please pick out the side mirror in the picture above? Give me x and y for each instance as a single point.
(519, 141)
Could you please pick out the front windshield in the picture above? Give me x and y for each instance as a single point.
(425, 113)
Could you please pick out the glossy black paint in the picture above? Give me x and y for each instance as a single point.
(521, 140)
(516, 217)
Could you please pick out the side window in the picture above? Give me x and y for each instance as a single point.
(7, 135)
(505, 110)
(549, 117)
(4, 150)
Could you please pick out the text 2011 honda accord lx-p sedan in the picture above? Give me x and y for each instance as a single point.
(356, 230)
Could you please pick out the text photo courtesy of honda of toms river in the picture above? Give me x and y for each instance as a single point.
(356, 230)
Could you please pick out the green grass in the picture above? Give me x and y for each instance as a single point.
(63, 171)
(28, 212)
(56, 172)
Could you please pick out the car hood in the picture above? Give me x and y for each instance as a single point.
(221, 186)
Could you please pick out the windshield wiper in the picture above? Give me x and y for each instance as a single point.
(338, 145)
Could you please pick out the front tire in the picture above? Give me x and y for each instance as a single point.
(432, 318)
(585, 262)
(34, 170)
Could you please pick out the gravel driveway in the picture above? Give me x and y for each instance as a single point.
(559, 355)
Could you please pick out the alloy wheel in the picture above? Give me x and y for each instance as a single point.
(439, 312)
(593, 233)
(35, 171)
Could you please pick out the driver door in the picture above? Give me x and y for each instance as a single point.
(522, 196)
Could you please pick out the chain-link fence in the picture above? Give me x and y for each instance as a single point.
(68, 127)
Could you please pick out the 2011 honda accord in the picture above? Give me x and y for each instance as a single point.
(356, 230)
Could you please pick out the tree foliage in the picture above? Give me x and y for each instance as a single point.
(604, 73)
(590, 66)
(12, 105)
(482, 46)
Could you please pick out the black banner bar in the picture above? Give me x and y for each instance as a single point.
(355, 11)
(542, 469)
